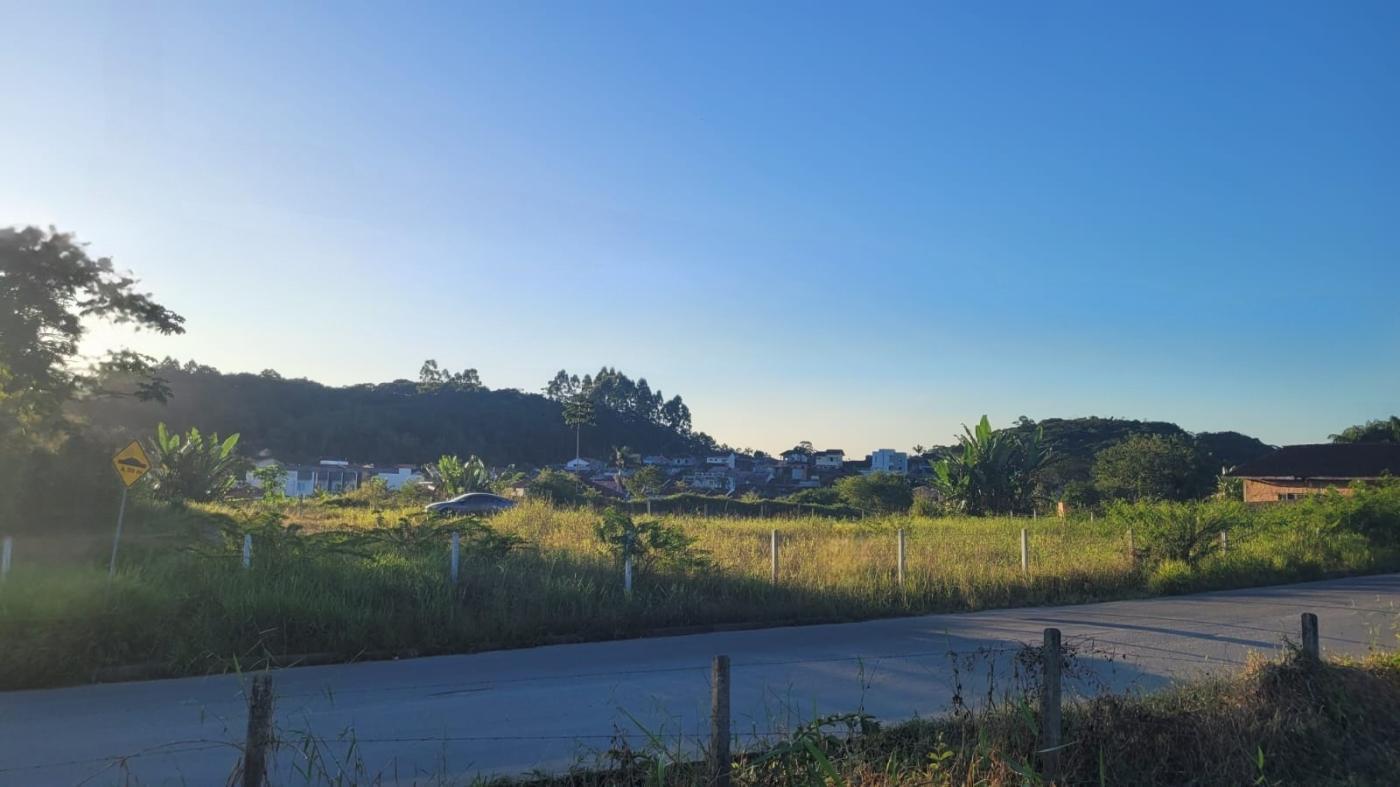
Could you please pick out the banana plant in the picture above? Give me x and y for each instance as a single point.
(993, 471)
(193, 467)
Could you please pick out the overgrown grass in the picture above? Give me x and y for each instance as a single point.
(346, 582)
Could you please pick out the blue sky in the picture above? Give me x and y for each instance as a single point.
(857, 224)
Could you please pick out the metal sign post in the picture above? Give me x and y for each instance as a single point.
(116, 539)
(131, 464)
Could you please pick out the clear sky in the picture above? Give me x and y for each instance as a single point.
(856, 224)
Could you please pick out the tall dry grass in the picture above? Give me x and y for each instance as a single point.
(342, 582)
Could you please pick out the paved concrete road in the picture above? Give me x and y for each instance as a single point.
(512, 711)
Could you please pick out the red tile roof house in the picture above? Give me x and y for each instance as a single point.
(1295, 471)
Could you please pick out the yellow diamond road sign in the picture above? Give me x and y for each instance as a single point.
(131, 463)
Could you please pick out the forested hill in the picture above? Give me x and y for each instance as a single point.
(1076, 441)
(400, 421)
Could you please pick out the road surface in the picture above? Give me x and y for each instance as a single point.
(549, 707)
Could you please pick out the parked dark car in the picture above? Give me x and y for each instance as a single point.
(471, 503)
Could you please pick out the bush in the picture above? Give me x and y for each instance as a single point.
(1171, 576)
(926, 503)
(651, 545)
(1185, 532)
(559, 488)
(884, 493)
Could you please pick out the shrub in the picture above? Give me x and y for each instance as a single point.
(881, 492)
(650, 544)
(1171, 576)
(1185, 532)
(559, 488)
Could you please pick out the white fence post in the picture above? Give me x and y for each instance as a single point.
(247, 550)
(627, 574)
(1025, 552)
(1224, 543)
(456, 554)
(773, 554)
(6, 549)
(901, 557)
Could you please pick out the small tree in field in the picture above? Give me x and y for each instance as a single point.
(650, 544)
(272, 481)
(646, 482)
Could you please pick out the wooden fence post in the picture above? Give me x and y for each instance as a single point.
(1224, 543)
(773, 554)
(456, 555)
(1132, 548)
(1025, 552)
(1050, 707)
(719, 722)
(7, 548)
(901, 557)
(1310, 643)
(259, 731)
(247, 550)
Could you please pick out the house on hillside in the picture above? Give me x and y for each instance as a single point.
(796, 457)
(584, 465)
(1296, 471)
(829, 460)
(711, 479)
(728, 460)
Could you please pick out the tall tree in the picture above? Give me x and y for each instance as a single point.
(433, 378)
(48, 285)
(578, 413)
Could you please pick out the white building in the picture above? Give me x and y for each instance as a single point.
(334, 475)
(397, 476)
(726, 460)
(888, 460)
(829, 460)
(711, 479)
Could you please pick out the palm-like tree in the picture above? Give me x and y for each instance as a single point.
(192, 467)
(578, 413)
(994, 472)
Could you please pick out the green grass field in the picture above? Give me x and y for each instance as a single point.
(345, 583)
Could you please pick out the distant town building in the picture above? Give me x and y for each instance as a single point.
(335, 475)
(888, 460)
(829, 460)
